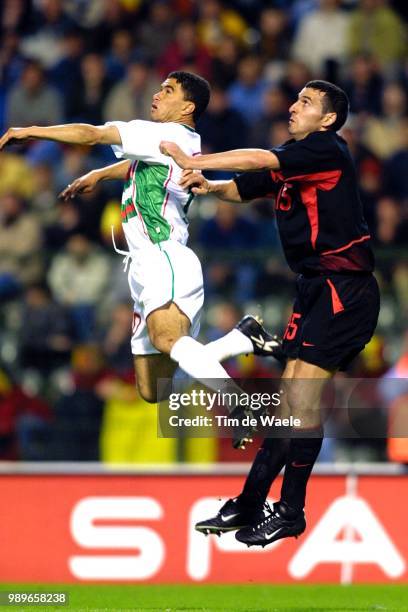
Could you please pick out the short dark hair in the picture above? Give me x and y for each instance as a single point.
(195, 88)
(335, 100)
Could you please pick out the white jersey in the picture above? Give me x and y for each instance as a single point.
(154, 206)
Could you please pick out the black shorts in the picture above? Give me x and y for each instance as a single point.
(334, 317)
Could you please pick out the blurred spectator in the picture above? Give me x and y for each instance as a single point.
(116, 339)
(79, 410)
(364, 85)
(75, 161)
(274, 43)
(94, 86)
(402, 73)
(14, 15)
(43, 201)
(222, 318)
(385, 135)
(156, 32)
(111, 16)
(322, 37)
(24, 423)
(48, 22)
(132, 97)
(185, 50)
(395, 168)
(20, 244)
(32, 101)
(78, 277)
(400, 285)
(46, 342)
(119, 55)
(11, 59)
(229, 237)
(278, 133)
(294, 79)
(368, 167)
(67, 224)
(246, 93)
(16, 176)
(224, 62)
(89, 13)
(65, 73)
(222, 127)
(275, 107)
(377, 29)
(392, 225)
(215, 20)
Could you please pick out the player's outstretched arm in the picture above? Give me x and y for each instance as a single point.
(70, 133)
(88, 182)
(238, 160)
(199, 185)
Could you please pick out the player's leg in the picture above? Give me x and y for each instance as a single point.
(271, 456)
(148, 370)
(168, 327)
(304, 398)
(287, 518)
(247, 508)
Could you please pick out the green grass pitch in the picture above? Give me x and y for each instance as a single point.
(234, 598)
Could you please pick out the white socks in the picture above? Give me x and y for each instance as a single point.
(193, 358)
(232, 344)
(199, 362)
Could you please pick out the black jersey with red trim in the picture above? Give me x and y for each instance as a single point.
(318, 208)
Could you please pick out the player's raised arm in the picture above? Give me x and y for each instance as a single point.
(238, 160)
(70, 133)
(88, 182)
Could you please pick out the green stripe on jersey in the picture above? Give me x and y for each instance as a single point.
(172, 274)
(150, 194)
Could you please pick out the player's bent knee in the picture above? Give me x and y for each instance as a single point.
(163, 341)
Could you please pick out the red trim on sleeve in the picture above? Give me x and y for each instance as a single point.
(327, 180)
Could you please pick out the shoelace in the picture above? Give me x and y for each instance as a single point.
(127, 254)
(268, 518)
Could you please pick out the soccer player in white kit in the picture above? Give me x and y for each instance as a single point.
(165, 276)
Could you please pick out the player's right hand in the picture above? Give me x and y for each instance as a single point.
(83, 184)
(13, 135)
(194, 181)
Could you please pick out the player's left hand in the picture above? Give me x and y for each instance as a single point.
(194, 181)
(13, 135)
(174, 151)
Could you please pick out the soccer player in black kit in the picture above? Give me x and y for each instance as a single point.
(326, 241)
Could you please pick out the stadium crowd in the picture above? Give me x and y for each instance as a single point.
(66, 381)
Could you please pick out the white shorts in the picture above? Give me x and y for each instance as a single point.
(159, 274)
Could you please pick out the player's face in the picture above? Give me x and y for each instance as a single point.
(306, 114)
(169, 104)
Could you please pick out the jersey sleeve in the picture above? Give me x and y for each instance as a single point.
(253, 185)
(314, 154)
(141, 140)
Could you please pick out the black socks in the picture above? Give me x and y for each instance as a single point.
(301, 458)
(269, 461)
